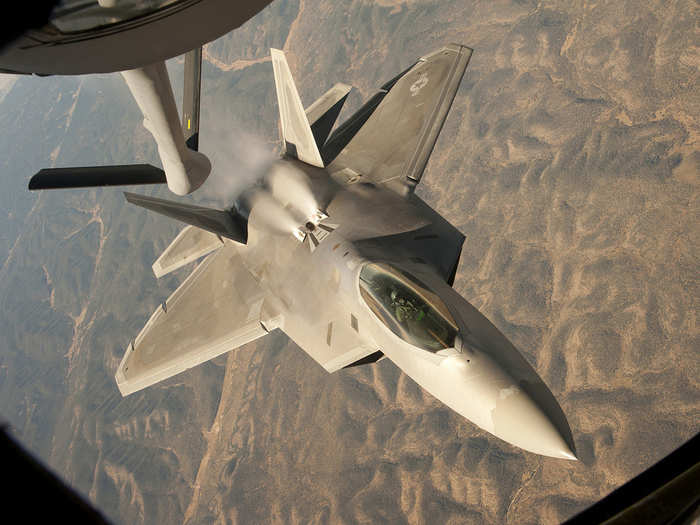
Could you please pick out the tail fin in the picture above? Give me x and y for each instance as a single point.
(220, 222)
(296, 131)
(323, 113)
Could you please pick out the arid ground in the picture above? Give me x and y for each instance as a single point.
(571, 162)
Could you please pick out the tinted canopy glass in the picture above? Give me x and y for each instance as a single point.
(407, 307)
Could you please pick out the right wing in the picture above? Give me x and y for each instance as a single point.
(216, 309)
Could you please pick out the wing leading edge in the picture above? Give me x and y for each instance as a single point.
(216, 309)
(395, 142)
(190, 244)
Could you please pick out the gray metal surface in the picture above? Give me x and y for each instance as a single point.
(185, 169)
(334, 223)
(219, 222)
(399, 136)
(216, 309)
(323, 113)
(190, 244)
(191, 97)
(95, 176)
(154, 36)
(296, 132)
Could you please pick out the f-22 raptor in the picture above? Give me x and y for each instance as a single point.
(335, 249)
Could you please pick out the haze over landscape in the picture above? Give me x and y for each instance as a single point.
(571, 162)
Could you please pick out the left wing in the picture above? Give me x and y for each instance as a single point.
(397, 139)
(216, 309)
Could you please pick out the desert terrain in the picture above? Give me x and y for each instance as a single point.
(571, 162)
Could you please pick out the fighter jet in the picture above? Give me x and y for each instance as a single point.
(335, 249)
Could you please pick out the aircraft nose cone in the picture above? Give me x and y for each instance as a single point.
(520, 421)
(513, 406)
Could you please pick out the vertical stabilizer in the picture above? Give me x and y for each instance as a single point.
(296, 131)
(323, 113)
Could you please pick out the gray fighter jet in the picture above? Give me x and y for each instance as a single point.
(336, 250)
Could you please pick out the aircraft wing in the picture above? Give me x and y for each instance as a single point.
(397, 139)
(216, 309)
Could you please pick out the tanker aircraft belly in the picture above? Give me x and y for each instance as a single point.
(336, 250)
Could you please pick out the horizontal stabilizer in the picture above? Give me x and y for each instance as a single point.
(96, 176)
(220, 222)
(190, 244)
(190, 101)
(296, 133)
(323, 113)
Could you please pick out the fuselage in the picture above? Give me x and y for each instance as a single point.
(377, 282)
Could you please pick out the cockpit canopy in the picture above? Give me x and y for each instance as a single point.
(407, 307)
